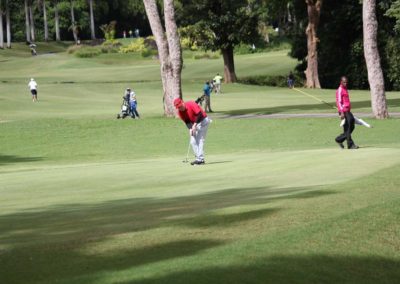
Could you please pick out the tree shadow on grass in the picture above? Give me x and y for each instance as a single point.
(290, 269)
(11, 159)
(49, 245)
(304, 107)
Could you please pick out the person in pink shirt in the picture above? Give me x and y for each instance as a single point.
(344, 108)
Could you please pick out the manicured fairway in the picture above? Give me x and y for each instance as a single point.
(86, 198)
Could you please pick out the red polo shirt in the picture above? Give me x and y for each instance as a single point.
(191, 113)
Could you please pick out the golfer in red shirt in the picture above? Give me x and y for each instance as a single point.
(197, 122)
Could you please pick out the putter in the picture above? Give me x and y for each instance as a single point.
(187, 154)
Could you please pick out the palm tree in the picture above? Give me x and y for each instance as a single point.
(27, 22)
(74, 26)
(46, 29)
(92, 29)
(32, 21)
(8, 25)
(57, 20)
(1, 25)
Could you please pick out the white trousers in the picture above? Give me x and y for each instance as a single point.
(197, 140)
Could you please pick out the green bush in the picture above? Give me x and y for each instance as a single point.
(111, 46)
(206, 56)
(265, 80)
(135, 46)
(148, 52)
(73, 48)
(87, 52)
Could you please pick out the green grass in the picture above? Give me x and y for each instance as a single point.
(86, 198)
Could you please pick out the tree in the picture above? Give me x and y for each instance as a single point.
(372, 58)
(92, 28)
(27, 22)
(32, 21)
(1, 25)
(169, 50)
(8, 24)
(56, 21)
(230, 23)
(74, 26)
(46, 29)
(314, 12)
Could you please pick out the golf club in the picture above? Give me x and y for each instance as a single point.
(187, 154)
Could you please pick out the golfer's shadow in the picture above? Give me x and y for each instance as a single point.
(218, 162)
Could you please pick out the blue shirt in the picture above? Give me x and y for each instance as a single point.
(207, 89)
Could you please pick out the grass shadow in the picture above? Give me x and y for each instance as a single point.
(304, 107)
(54, 244)
(11, 159)
(291, 269)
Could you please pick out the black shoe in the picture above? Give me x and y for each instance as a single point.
(197, 162)
(340, 144)
(354, 146)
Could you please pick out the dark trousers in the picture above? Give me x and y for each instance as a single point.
(348, 128)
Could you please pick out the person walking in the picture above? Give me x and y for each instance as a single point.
(132, 102)
(344, 108)
(217, 83)
(33, 88)
(207, 97)
(290, 80)
(197, 122)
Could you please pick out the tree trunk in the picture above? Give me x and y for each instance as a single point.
(229, 65)
(92, 29)
(46, 29)
(33, 36)
(1, 28)
(57, 21)
(8, 25)
(314, 12)
(372, 58)
(73, 26)
(169, 50)
(27, 23)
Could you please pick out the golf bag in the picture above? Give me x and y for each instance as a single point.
(200, 100)
(125, 108)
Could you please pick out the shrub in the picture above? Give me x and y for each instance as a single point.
(73, 48)
(87, 52)
(265, 80)
(148, 52)
(135, 46)
(110, 46)
(206, 56)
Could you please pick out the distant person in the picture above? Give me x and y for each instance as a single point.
(217, 83)
(137, 33)
(33, 88)
(124, 34)
(130, 34)
(32, 46)
(207, 97)
(197, 122)
(129, 94)
(344, 107)
(290, 80)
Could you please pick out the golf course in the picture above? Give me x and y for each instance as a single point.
(89, 198)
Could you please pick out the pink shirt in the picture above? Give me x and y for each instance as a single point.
(342, 99)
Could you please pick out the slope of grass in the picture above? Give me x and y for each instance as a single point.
(86, 198)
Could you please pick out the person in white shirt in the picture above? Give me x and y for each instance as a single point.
(33, 87)
(217, 83)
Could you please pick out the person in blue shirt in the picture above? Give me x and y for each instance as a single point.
(207, 97)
